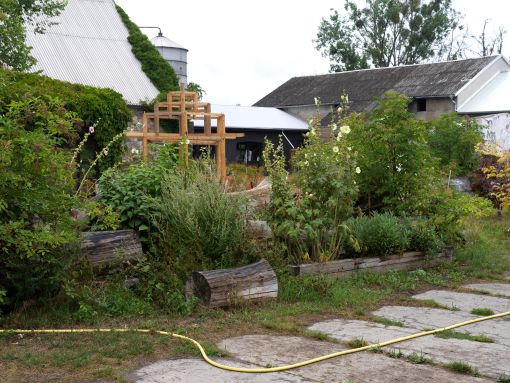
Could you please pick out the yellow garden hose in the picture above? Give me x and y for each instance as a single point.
(270, 369)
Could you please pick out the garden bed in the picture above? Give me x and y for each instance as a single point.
(343, 267)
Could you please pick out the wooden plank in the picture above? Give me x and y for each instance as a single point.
(343, 267)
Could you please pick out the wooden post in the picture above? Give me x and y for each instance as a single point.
(221, 150)
(207, 120)
(145, 146)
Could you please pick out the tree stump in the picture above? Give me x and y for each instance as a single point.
(226, 287)
(104, 249)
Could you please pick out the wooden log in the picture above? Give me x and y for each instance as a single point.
(107, 248)
(226, 287)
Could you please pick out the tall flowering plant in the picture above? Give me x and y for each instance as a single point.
(325, 170)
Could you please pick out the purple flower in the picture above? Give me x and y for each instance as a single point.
(91, 130)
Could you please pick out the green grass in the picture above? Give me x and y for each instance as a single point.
(356, 343)
(385, 321)
(504, 379)
(463, 368)
(418, 359)
(466, 336)
(301, 301)
(482, 311)
(292, 328)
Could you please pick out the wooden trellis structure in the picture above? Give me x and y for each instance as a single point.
(184, 106)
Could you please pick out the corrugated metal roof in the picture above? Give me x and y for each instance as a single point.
(364, 86)
(493, 97)
(256, 118)
(165, 42)
(89, 46)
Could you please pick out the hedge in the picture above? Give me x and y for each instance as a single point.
(101, 106)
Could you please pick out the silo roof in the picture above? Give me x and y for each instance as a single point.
(89, 46)
(164, 42)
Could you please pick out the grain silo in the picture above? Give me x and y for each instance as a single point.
(175, 54)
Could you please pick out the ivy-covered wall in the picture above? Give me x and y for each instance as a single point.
(159, 71)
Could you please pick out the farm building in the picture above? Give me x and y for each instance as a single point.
(476, 87)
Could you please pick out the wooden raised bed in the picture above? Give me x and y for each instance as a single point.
(408, 261)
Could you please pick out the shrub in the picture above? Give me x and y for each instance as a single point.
(453, 139)
(393, 153)
(36, 195)
(447, 209)
(101, 107)
(127, 190)
(423, 236)
(379, 234)
(198, 224)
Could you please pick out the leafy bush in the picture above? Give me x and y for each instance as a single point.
(108, 299)
(447, 209)
(127, 190)
(379, 234)
(199, 226)
(101, 107)
(453, 139)
(423, 236)
(393, 153)
(495, 171)
(36, 195)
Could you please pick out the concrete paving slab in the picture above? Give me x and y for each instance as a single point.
(424, 318)
(490, 359)
(198, 371)
(491, 288)
(466, 301)
(365, 367)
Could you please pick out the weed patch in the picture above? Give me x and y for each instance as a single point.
(466, 336)
(482, 311)
(463, 368)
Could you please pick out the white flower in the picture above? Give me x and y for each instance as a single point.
(310, 121)
(187, 141)
(349, 148)
(339, 110)
(316, 100)
(345, 98)
(91, 129)
(358, 170)
(135, 151)
(105, 152)
(306, 155)
(312, 132)
(306, 163)
(335, 149)
(345, 129)
(334, 127)
(338, 136)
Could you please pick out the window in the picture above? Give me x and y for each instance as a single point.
(249, 152)
(421, 105)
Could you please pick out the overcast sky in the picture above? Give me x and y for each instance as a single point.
(239, 51)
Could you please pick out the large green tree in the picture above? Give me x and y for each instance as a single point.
(388, 33)
(14, 16)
